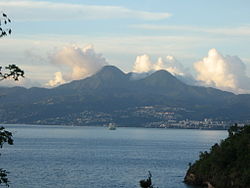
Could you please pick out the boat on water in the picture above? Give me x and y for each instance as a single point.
(111, 126)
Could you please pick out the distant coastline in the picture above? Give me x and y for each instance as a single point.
(122, 126)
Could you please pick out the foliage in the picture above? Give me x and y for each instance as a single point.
(3, 177)
(13, 72)
(4, 20)
(227, 165)
(147, 183)
(5, 137)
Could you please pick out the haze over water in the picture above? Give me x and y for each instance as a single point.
(94, 157)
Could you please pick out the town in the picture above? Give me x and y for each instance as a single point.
(145, 116)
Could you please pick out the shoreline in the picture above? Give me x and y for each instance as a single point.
(124, 126)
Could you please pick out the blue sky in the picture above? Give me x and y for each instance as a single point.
(122, 31)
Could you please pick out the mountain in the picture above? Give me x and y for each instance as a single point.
(111, 95)
(108, 76)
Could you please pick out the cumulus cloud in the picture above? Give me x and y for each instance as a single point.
(34, 11)
(223, 72)
(58, 79)
(143, 64)
(76, 63)
(143, 67)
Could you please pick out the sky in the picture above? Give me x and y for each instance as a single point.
(205, 42)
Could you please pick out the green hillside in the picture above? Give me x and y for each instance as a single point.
(227, 165)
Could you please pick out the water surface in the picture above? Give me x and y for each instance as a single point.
(94, 157)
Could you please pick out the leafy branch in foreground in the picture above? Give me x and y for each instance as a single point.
(5, 137)
(3, 177)
(4, 20)
(13, 72)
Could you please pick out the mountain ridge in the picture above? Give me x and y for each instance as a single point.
(113, 93)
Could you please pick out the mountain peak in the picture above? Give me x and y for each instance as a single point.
(163, 79)
(109, 73)
(106, 77)
(110, 69)
(162, 75)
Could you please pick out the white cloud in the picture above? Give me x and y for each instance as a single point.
(76, 63)
(48, 11)
(119, 50)
(171, 65)
(144, 64)
(58, 79)
(223, 72)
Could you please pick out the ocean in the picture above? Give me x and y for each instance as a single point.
(95, 157)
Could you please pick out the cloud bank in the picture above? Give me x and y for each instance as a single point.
(143, 64)
(223, 72)
(75, 63)
(35, 11)
(227, 73)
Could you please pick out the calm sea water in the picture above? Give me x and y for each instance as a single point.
(94, 157)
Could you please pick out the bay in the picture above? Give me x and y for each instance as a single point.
(95, 157)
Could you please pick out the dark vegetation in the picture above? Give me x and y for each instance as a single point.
(4, 21)
(227, 165)
(5, 137)
(147, 183)
(13, 72)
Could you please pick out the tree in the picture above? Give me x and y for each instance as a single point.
(234, 129)
(226, 164)
(147, 183)
(4, 21)
(5, 137)
(13, 72)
